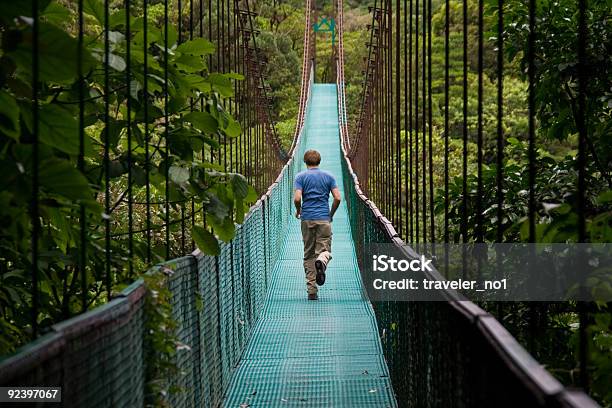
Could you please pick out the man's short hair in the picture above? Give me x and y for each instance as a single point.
(312, 158)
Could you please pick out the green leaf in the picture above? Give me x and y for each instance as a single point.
(116, 62)
(94, 8)
(138, 56)
(198, 46)
(202, 121)
(56, 13)
(225, 194)
(135, 87)
(604, 197)
(600, 228)
(513, 141)
(208, 165)
(172, 37)
(59, 129)
(221, 84)
(153, 113)
(9, 116)
(189, 63)
(225, 228)
(152, 33)
(233, 128)
(217, 208)
(234, 75)
(62, 231)
(240, 186)
(114, 132)
(179, 175)
(117, 19)
(240, 210)
(116, 169)
(57, 54)
(252, 195)
(115, 37)
(62, 178)
(193, 81)
(205, 240)
(212, 143)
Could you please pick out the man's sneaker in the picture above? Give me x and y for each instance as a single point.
(320, 267)
(313, 296)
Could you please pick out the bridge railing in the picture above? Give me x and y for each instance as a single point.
(450, 353)
(96, 357)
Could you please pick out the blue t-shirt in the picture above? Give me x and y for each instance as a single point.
(316, 184)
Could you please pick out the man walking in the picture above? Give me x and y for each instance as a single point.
(311, 199)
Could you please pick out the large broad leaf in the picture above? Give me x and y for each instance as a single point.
(9, 115)
(94, 8)
(205, 240)
(62, 233)
(56, 13)
(138, 56)
(189, 63)
(60, 177)
(57, 55)
(216, 207)
(179, 175)
(117, 19)
(221, 84)
(240, 187)
(605, 197)
(199, 46)
(601, 228)
(224, 228)
(195, 81)
(240, 210)
(172, 38)
(59, 129)
(233, 128)
(234, 75)
(116, 62)
(113, 130)
(252, 195)
(202, 121)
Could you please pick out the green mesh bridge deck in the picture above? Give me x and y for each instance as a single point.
(325, 353)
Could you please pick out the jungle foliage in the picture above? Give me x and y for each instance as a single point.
(163, 143)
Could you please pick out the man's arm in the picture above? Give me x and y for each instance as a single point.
(297, 201)
(336, 193)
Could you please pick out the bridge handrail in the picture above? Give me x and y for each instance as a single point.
(543, 387)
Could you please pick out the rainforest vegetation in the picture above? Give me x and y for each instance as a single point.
(171, 146)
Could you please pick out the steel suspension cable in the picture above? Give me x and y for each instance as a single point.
(34, 205)
(500, 128)
(82, 262)
(107, 218)
(479, 189)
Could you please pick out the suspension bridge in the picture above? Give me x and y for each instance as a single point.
(322, 354)
(248, 335)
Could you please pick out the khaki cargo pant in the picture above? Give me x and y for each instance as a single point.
(317, 237)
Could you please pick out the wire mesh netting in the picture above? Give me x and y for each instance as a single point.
(97, 357)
